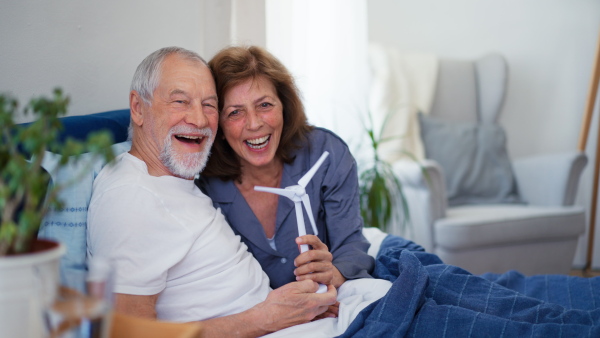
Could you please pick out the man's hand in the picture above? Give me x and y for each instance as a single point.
(316, 264)
(294, 303)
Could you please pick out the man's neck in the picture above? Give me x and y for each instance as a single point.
(153, 163)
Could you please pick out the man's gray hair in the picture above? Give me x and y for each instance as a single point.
(146, 76)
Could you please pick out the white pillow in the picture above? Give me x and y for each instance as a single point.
(69, 225)
(375, 236)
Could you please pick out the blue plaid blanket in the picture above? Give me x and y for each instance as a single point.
(432, 299)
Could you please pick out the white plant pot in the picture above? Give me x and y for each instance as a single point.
(28, 285)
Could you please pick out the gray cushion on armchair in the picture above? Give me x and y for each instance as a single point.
(473, 155)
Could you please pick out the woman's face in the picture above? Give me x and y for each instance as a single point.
(252, 121)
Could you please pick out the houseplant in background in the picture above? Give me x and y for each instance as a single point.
(28, 266)
(380, 189)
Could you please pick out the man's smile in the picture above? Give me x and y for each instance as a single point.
(192, 139)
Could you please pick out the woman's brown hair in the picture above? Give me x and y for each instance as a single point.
(233, 66)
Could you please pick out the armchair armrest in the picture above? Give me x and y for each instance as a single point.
(425, 189)
(549, 179)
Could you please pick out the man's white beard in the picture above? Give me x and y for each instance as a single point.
(186, 165)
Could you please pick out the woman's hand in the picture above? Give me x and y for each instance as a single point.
(331, 312)
(316, 264)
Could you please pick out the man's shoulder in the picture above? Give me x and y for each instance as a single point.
(123, 170)
(121, 185)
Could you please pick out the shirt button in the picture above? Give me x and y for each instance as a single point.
(283, 260)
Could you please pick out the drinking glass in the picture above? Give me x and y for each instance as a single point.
(82, 308)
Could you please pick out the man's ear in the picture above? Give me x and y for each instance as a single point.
(135, 105)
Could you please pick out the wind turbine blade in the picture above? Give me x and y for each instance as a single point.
(283, 192)
(306, 178)
(306, 202)
(300, 223)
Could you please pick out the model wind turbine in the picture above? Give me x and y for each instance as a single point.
(297, 193)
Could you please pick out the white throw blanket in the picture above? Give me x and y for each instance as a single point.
(354, 295)
(402, 84)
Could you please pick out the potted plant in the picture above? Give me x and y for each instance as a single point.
(28, 266)
(380, 190)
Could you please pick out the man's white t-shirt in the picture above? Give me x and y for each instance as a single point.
(164, 237)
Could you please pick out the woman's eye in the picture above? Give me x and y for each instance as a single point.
(234, 113)
(265, 104)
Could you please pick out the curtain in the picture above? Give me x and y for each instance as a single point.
(324, 45)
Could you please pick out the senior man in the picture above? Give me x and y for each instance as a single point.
(175, 256)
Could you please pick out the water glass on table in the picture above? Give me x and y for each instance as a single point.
(83, 307)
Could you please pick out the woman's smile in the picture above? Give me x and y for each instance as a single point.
(258, 143)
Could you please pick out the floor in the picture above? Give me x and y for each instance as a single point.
(583, 273)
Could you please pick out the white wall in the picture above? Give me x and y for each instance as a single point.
(89, 48)
(227, 22)
(549, 45)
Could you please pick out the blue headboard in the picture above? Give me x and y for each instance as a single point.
(79, 127)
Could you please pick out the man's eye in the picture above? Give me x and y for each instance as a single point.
(180, 101)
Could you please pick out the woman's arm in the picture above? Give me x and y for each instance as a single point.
(341, 212)
(341, 253)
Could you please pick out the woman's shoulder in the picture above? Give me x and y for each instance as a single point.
(320, 140)
(217, 189)
(325, 138)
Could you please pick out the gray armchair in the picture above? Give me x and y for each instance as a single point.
(538, 236)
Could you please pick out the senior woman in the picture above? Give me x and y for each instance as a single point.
(264, 140)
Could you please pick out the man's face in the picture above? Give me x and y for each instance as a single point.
(180, 125)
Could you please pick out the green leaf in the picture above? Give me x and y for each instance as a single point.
(24, 185)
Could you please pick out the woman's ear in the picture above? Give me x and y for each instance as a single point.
(135, 105)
